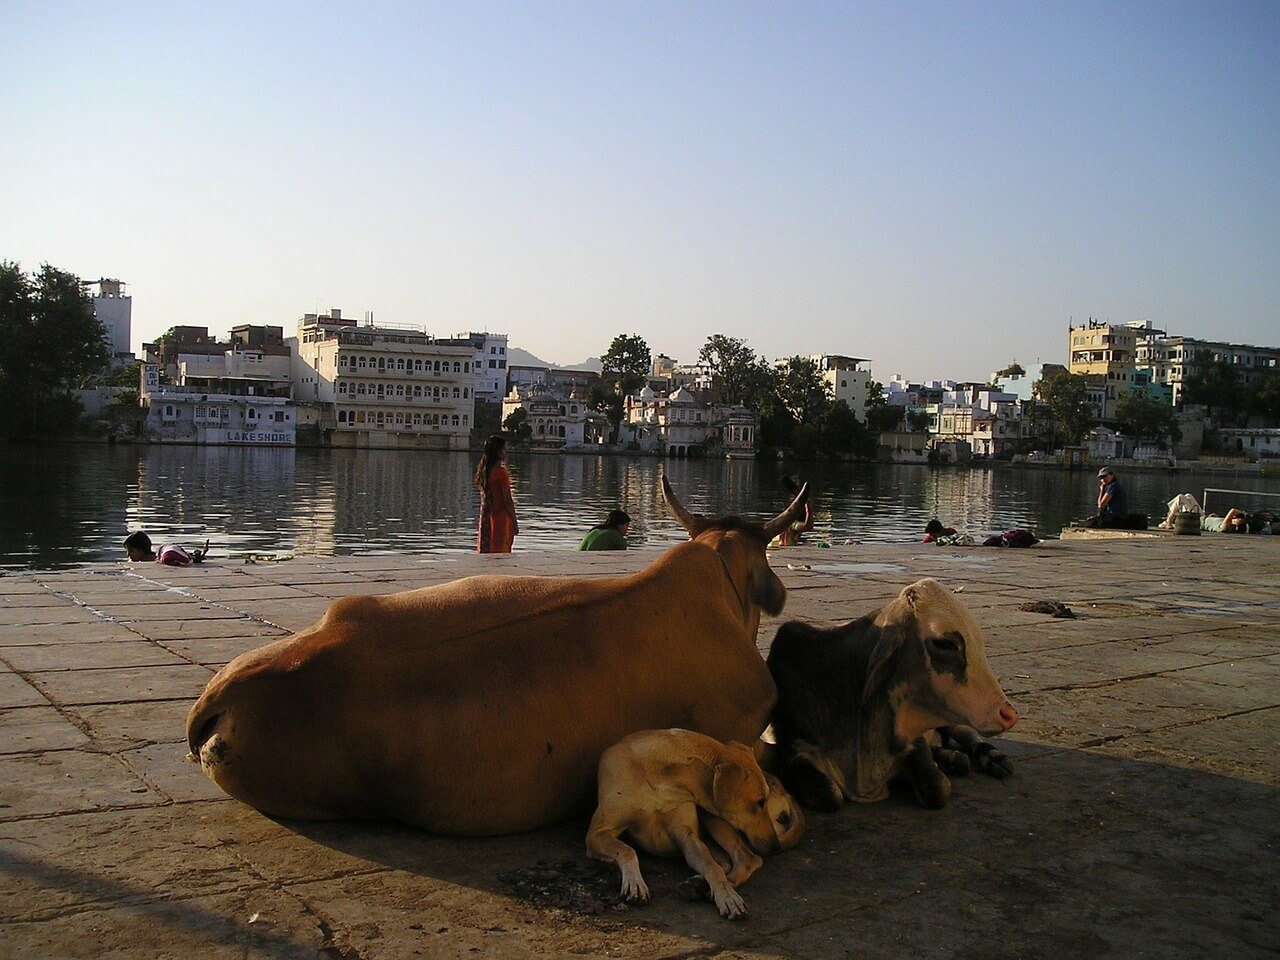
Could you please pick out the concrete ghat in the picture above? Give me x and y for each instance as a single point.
(1141, 821)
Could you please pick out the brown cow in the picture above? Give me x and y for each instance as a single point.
(886, 696)
(482, 706)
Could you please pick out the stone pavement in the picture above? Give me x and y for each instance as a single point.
(1142, 821)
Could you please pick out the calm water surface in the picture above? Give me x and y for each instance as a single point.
(63, 505)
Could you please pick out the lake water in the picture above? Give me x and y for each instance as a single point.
(67, 504)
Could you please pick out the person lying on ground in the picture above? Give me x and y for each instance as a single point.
(1235, 521)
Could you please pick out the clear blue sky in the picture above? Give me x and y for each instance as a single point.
(937, 187)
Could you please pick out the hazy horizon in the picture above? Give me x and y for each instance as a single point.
(937, 188)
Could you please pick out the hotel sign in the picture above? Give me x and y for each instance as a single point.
(258, 436)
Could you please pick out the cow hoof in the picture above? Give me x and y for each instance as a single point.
(695, 888)
(813, 788)
(952, 761)
(992, 762)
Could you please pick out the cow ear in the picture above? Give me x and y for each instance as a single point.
(883, 657)
(768, 592)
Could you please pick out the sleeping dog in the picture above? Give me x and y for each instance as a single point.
(658, 786)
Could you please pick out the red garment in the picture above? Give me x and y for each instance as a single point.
(497, 528)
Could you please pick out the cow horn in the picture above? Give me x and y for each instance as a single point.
(690, 521)
(787, 516)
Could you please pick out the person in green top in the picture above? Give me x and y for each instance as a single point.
(610, 535)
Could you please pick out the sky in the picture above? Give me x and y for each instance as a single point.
(940, 188)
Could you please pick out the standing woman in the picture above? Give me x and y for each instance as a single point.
(498, 525)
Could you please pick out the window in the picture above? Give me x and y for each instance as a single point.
(437, 366)
(455, 419)
(417, 419)
(417, 366)
(251, 414)
(382, 363)
(400, 363)
(360, 360)
(466, 366)
(279, 418)
(464, 392)
(360, 388)
(457, 392)
(360, 416)
(381, 390)
(464, 419)
(493, 364)
(342, 386)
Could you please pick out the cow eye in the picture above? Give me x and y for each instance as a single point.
(945, 644)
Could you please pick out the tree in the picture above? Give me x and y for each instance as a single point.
(517, 424)
(603, 397)
(50, 343)
(1215, 386)
(882, 417)
(628, 360)
(1066, 397)
(1012, 370)
(1264, 399)
(918, 421)
(1144, 417)
(734, 364)
(802, 388)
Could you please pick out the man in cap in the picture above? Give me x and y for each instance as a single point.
(1113, 506)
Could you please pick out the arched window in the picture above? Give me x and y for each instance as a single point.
(455, 419)
(457, 392)
(400, 363)
(466, 366)
(457, 367)
(437, 370)
(382, 363)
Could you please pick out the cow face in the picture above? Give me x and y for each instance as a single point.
(785, 813)
(741, 546)
(741, 796)
(932, 660)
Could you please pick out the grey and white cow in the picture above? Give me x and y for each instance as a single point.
(902, 692)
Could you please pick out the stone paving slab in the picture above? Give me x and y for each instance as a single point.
(1140, 822)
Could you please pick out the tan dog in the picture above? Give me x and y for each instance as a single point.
(656, 785)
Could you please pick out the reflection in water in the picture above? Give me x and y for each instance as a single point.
(61, 505)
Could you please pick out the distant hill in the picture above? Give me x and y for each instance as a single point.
(523, 358)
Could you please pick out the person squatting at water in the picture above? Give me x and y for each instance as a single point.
(610, 535)
(138, 548)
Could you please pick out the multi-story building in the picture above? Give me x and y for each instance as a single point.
(182, 413)
(848, 380)
(1171, 360)
(1107, 355)
(679, 423)
(114, 309)
(488, 364)
(385, 386)
(253, 350)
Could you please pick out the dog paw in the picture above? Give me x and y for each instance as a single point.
(730, 903)
(635, 890)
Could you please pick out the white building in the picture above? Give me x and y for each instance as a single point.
(678, 424)
(385, 386)
(848, 380)
(238, 371)
(556, 418)
(183, 414)
(114, 310)
(488, 364)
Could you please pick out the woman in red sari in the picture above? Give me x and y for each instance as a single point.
(498, 525)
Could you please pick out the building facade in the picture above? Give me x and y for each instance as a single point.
(488, 363)
(176, 413)
(385, 386)
(556, 418)
(1171, 360)
(113, 308)
(679, 423)
(848, 379)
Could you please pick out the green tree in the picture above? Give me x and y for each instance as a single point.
(1012, 370)
(734, 364)
(517, 424)
(1215, 386)
(803, 389)
(1065, 395)
(628, 361)
(918, 421)
(1145, 417)
(1264, 398)
(50, 344)
(603, 397)
(882, 417)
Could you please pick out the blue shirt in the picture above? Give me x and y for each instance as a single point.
(1117, 506)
